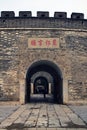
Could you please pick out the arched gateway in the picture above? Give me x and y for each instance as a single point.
(26, 39)
(44, 74)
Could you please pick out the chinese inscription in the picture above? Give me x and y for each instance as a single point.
(43, 43)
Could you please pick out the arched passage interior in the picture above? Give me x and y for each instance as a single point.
(42, 78)
(47, 72)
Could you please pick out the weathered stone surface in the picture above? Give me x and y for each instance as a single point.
(16, 57)
(41, 116)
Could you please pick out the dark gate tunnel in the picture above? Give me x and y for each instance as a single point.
(50, 68)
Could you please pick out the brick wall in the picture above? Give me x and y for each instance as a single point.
(35, 22)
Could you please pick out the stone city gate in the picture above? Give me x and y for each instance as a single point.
(43, 50)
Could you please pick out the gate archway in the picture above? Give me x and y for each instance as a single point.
(51, 73)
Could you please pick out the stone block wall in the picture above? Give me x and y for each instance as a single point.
(16, 57)
(9, 83)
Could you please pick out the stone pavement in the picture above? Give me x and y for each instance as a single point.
(6, 111)
(81, 111)
(44, 116)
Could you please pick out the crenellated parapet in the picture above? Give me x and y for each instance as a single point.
(42, 20)
(40, 14)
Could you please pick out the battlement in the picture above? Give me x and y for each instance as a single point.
(40, 14)
(42, 20)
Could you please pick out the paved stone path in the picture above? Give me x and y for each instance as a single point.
(81, 111)
(46, 116)
(6, 111)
